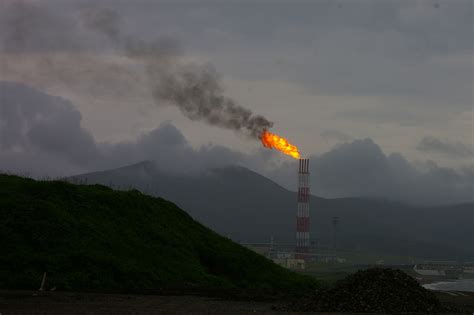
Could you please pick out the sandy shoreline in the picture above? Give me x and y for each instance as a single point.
(457, 285)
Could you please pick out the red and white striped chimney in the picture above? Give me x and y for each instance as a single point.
(302, 214)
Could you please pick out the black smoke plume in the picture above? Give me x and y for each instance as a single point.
(195, 89)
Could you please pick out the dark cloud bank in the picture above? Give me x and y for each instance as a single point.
(42, 135)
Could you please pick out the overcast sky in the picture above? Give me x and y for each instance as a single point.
(324, 72)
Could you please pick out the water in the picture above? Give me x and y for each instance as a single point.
(466, 285)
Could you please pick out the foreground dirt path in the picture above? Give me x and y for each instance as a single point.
(33, 302)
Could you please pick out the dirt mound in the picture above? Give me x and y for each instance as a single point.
(373, 290)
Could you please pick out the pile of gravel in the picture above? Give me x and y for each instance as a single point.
(372, 290)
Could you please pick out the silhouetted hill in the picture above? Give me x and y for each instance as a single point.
(249, 207)
(92, 237)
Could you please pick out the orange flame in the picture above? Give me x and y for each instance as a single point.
(273, 141)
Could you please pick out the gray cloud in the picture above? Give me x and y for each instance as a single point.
(27, 27)
(399, 115)
(360, 168)
(395, 53)
(452, 149)
(332, 134)
(169, 149)
(398, 50)
(31, 120)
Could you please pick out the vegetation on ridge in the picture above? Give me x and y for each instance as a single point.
(95, 238)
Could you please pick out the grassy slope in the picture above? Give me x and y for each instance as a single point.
(92, 237)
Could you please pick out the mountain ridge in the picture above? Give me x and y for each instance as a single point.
(249, 207)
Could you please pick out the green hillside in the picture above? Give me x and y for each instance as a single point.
(95, 238)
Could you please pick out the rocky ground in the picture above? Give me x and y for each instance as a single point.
(463, 301)
(372, 290)
(381, 290)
